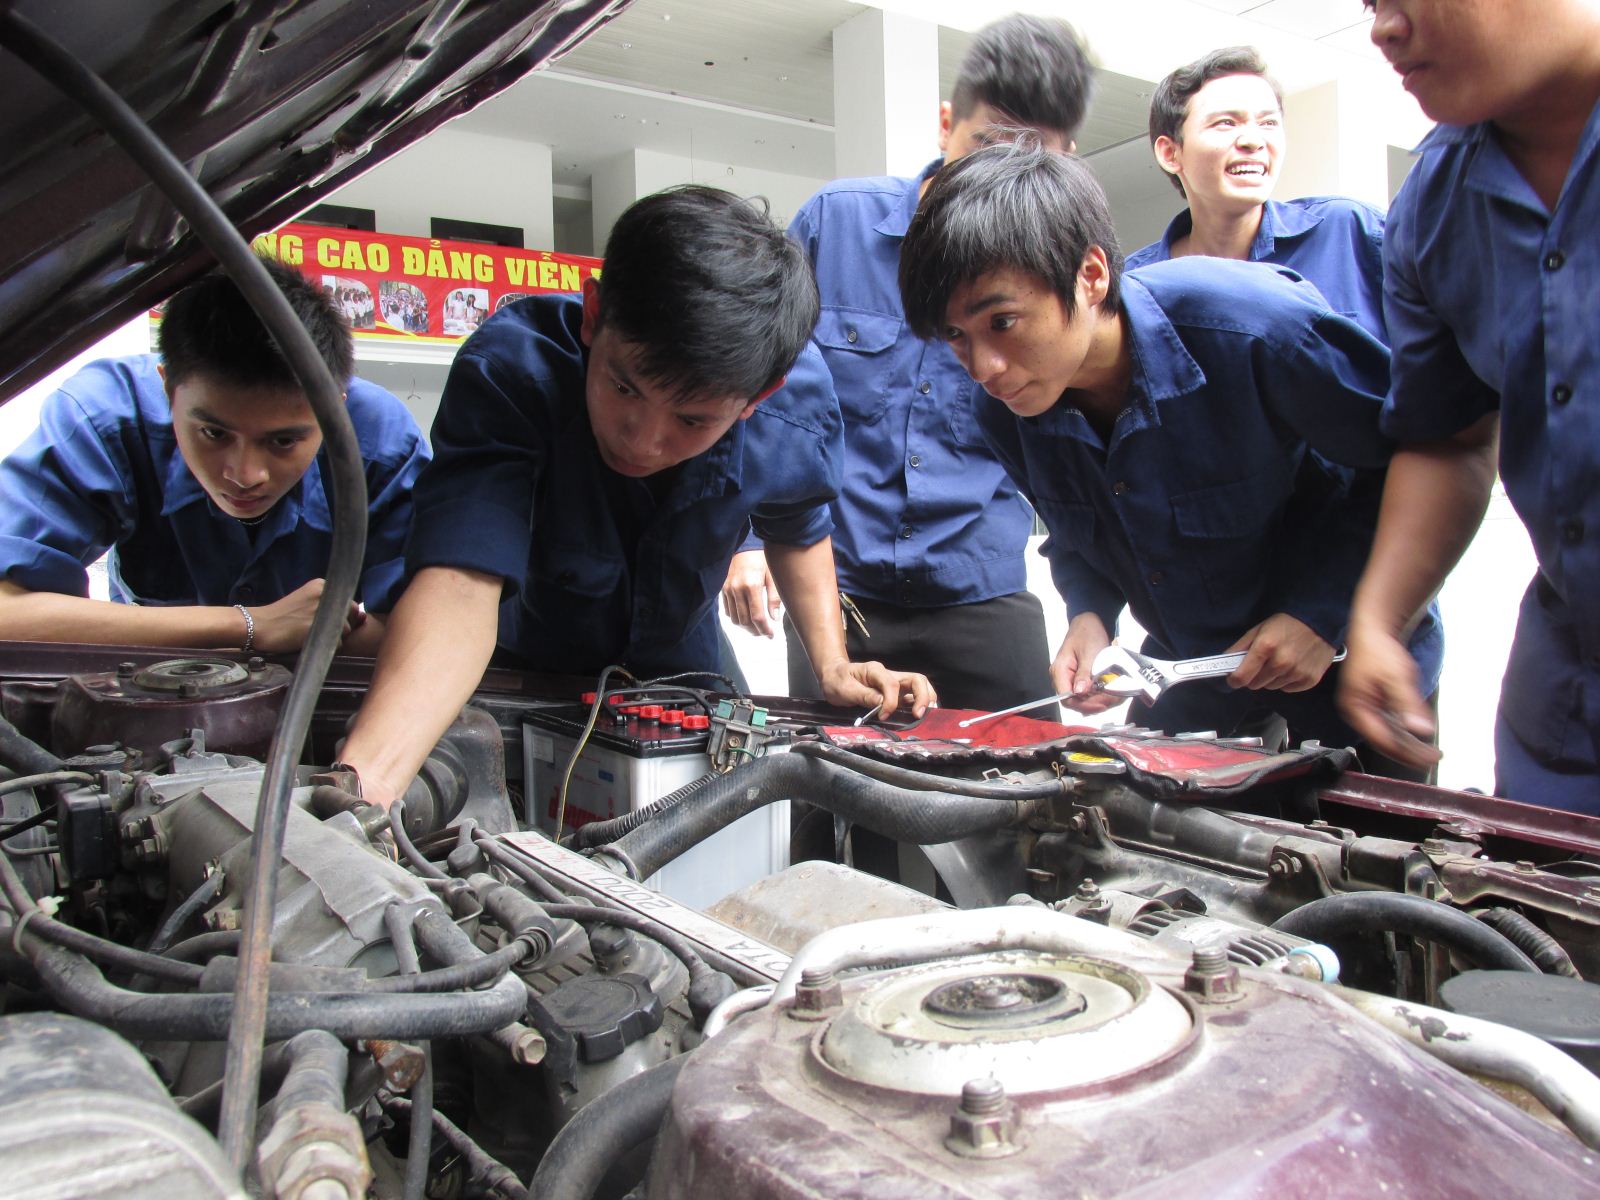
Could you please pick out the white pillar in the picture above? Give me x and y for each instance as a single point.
(885, 94)
(623, 178)
(1340, 136)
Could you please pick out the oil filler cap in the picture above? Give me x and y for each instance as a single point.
(1554, 1008)
(605, 1014)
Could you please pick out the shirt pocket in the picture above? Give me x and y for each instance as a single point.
(1229, 532)
(565, 567)
(858, 345)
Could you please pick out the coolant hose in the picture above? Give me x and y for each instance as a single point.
(24, 755)
(603, 1131)
(318, 1065)
(1538, 945)
(923, 818)
(597, 833)
(80, 988)
(1331, 917)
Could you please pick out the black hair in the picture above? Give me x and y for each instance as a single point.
(713, 296)
(1008, 206)
(210, 329)
(1169, 105)
(1034, 70)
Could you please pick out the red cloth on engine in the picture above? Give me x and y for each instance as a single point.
(944, 725)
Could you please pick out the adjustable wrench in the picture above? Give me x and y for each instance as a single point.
(1123, 672)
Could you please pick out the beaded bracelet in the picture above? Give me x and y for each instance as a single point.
(249, 629)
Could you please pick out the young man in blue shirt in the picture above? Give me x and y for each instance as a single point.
(929, 532)
(1163, 423)
(1216, 127)
(1491, 272)
(599, 460)
(201, 473)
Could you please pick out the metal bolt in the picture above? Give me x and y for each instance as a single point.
(325, 1189)
(255, 663)
(401, 1063)
(1211, 977)
(984, 1124)
(528, 1049)
(1525, 867)
(188, 690)
(125, 670)
(1435, 845)
(817, 992)
(1087, 890)
(982, 1097)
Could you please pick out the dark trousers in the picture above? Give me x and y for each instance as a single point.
(989, 655)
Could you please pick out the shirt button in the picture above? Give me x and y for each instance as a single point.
(1554, 261)
(916, 460)
(1561, 393)
(924, 387)
(1157, 578)
(850, 336)
(1119, 488)
(905, 531)
(1572, 531)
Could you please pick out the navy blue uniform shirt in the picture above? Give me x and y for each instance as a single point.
(1493, 302)
(926, 517)
(103, 472)
(600, 568)
(1205, 511)
(1334, 242)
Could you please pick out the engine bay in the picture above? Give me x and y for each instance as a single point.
(1165, 963)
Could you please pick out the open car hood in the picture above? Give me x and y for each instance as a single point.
(272, 104)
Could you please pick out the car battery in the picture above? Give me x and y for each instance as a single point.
(631, 759)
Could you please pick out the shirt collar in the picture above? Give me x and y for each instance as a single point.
(899, 219)
(1281, 221)
(1163, 368)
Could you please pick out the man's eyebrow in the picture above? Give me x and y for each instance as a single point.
(976, 306)
(200, 413)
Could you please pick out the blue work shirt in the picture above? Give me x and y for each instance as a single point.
(1493, 303)
(600, 568)
(926, 517)
(1205, 510)
(1335, 242)
(103, 472)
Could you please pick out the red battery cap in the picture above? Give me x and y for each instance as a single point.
(697, 721)
(587, 697)
(650, 712)
(672, 716)
(631, 710)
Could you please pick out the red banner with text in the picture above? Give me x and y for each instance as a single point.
(424, 289)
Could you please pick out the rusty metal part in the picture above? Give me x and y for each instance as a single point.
(400, 1062)
(984, 1124)
(314, 1152)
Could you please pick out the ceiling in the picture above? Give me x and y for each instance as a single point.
(750, 81)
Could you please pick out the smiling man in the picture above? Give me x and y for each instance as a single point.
(1163, 422)
(1216, 127)
(1491, 273)
(599, 460)
(200, 472)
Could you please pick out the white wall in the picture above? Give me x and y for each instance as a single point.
(19, 416)
(463, 176)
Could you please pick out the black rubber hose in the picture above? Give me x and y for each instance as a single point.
(1538, 945)
(80, 988)
(602, 1131)
(472, 973)
(110, 953)
(922, 818)
(196, 900)
(507, 857)
(408, 848)
(348, 488)
(675, 943)
(400, 920)
(318, 1066)
(482, 1168)
(203, 946)
(598, 833)
(1333, 917)
(24, 755)
(907, 777)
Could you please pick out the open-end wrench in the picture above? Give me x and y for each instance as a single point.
(1123, 672)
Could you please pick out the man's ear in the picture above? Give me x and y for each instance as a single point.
(591, 311)
(946, 120)
(1094, 277)
(166, 384)
(1169, 155)
(751, 407)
